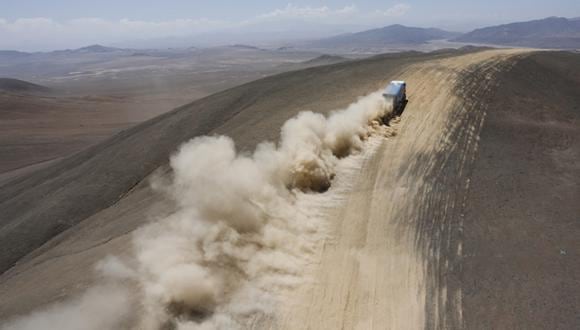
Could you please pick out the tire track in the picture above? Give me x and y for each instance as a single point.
(391, 245)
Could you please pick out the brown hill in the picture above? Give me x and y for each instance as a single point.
(465, 219)
(21, 86)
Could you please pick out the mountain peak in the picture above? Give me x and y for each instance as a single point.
(96, 48)
(394, 26)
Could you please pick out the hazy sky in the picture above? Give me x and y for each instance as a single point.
(52, 24)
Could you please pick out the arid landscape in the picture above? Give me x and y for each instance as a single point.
(241, 187)
(86, 95)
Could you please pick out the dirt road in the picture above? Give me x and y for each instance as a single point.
(380, 267)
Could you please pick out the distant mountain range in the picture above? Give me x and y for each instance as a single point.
(551, 32)
(92, 49)
(12, 54)
(389, 35)
(97, 49)
(104, 50)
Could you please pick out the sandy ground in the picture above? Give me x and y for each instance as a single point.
(422, 240)
(374, 271)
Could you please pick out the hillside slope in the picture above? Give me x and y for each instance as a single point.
(464, 219)
(521, 227)
(41, 205)
(21, 86)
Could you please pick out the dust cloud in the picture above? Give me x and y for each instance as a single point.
(241, 235)
(101, 307)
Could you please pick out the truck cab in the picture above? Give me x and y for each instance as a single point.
(396, 94)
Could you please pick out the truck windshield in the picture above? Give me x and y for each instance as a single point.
(392, 89)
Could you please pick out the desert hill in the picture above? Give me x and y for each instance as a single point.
(551, 32)
(466, 217)
(21, 86)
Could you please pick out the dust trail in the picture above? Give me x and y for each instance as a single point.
(239, 239)
(241, 235)
(101, 307)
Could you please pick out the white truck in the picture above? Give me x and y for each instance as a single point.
(396, 94)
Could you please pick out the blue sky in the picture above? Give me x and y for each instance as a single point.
(43, 24)
(239, 10)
